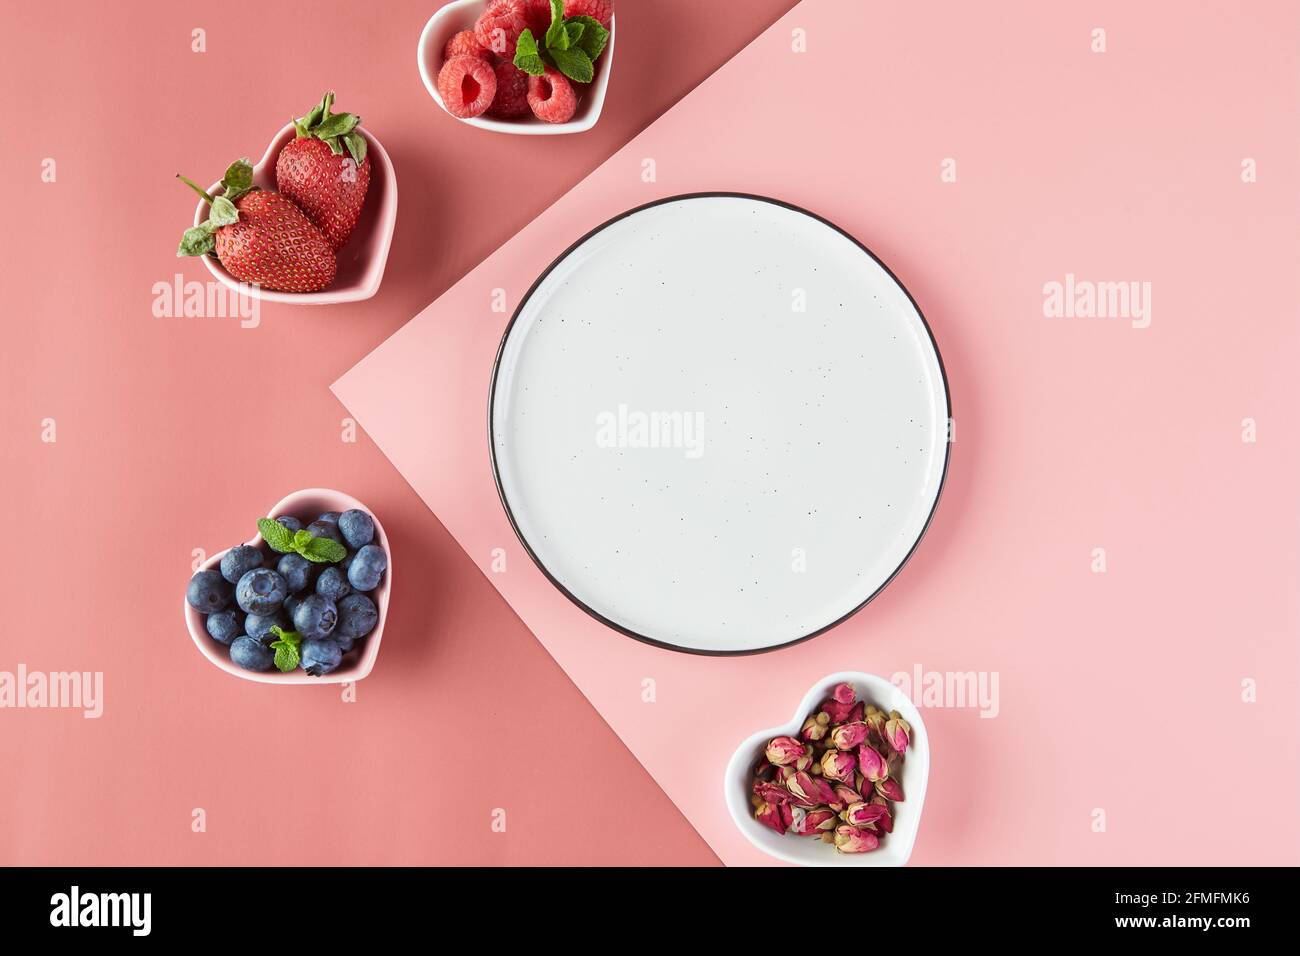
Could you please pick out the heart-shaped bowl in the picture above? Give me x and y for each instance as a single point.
(305, 504)
(362, 258)
(896, 847)
(461, 15)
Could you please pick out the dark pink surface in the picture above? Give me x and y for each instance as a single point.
(176, 433)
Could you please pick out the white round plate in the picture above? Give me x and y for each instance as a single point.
(719, 424)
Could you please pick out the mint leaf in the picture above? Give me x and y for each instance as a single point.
(527, 56)
(556, 37)
(276, 535)
(323, 551)
(197, 241)
(593, 39)
(300, 538)
(574, 64)
(357, 146)
(223, 212)
(573, 30)
(287, 655)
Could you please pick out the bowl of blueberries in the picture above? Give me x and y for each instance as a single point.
(303, 601)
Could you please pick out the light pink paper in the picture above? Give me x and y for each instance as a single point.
(1074, 436)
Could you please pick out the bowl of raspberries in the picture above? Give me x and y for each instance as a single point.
(303, 601)
(520, 66)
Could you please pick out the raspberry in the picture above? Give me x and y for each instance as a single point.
(464, 43)
(537, 14)
(468, 85)
(512, 91)
(499, 27)
(602, 10)
(551, 96)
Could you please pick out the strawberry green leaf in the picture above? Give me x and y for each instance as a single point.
(276, 535)
(527, 56)
(323, 551)
(223, 213)
(339, 124)
(357, 145)
(197, 241)
(238, 179)
(574, 64)
(593, 39)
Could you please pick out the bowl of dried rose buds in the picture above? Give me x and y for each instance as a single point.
(842, 783)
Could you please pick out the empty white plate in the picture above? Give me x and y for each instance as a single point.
(719, 423)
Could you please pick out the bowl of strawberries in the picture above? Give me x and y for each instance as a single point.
(311, 222)
(532, 67)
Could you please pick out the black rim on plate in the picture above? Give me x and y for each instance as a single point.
(496, 471)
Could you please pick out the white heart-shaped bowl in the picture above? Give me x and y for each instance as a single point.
(461, 15)
(362, 258)
(896, 847)
(305, 504)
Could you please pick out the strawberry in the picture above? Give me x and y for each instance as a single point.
(260, 236)
(325, 170)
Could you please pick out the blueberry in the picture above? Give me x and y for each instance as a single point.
(331, 516)
(357, 528)
(357, 616)
(238, 561)
(296, 571)
(252, 655)
(225, 626)
(208, 591)
(315, 617)
(290, 522)
(261, 591)
(320, 657)
(345, 643)
(325, 529)
(290, 605)
(333, 584)
(367, 568)
(258, 626)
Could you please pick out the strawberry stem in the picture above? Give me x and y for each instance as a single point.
(196, 187)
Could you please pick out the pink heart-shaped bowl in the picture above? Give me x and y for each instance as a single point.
(305, 504)
(896, 847)
(362, 258)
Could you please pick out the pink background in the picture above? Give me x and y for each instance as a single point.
(1119, 691)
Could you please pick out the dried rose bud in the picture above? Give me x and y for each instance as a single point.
(848, 736)
(809, 791)
(812, 822)
(886, 822)
(843, 693)
(813, 729)
(783, 751)
(898, 732)
(876, 720)
(764, 770)
(865, 814)
(890, 789)
(855, 840)
(845, 795)
(838, 765)
(857, 713)
(874, 767)
(771, 792)
(837, 712)
(776, 816)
